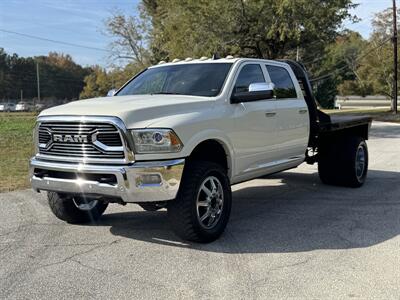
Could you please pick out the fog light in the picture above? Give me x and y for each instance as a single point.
(148, 179)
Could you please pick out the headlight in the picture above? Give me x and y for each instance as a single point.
(156, 141)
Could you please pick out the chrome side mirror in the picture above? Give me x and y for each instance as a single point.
(111, 92)
(261, 86)
(257, 91)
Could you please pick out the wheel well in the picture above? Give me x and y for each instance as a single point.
(210, 150)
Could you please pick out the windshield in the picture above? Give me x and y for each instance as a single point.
(204, 79)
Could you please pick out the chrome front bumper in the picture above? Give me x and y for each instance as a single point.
(138, 182)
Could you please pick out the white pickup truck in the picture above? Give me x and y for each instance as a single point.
(178, 135)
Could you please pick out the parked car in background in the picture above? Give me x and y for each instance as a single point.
(7, 106)
(23, 106)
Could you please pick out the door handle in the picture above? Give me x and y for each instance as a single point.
(270, 114)
(303, 111)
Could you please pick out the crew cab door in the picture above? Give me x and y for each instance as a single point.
(254, 135)
(292, 124)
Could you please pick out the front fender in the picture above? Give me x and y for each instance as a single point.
(216, 135)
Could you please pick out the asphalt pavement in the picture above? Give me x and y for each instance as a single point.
(289, 236)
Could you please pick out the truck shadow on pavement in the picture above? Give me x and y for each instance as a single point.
(287, 212)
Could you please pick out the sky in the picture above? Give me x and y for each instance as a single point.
(81, 22)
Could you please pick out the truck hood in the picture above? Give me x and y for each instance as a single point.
(137, 111)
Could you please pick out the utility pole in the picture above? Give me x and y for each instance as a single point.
(395, 58)
(38, 83)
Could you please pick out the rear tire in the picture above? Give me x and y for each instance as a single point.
(344, 162)
(202, 208)
(74, 209)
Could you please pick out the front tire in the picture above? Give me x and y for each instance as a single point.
(74, 209)
(202, 208)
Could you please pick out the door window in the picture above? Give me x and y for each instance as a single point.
(284, 87)
(251, 73)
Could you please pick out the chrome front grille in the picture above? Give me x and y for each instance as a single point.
(80, 140)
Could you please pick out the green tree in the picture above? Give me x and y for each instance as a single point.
(338, 71)
(130, 38)
(59, 70)
(376, 68)
(97, 84)
(99, 81)
(269, 29)
(4, 73)
(167, 29)
(61, 77)
(19, 75)
(325, 92)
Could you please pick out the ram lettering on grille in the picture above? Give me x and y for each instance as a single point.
(67, 138)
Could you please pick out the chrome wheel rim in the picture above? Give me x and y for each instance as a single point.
(360, 162)
(210, 202)
(84, 204)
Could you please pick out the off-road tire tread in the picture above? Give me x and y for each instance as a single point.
(179, 210)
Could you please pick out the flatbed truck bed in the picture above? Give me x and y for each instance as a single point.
(336, 142)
